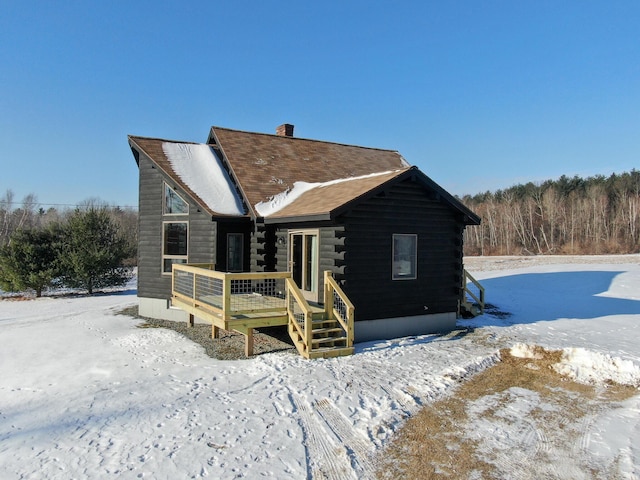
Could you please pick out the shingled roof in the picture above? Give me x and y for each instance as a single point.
(267, 165)
(322, 200)
(267, 168)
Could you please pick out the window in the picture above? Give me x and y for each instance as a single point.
(174, 244)
(405, 253)
(234, 252)
(174, 204)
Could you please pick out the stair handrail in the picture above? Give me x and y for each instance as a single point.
(294, 295)
(478, 298)
(346, 318)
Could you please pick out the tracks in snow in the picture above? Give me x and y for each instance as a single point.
(326, 459)
(335, 448)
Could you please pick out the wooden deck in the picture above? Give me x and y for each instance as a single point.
(245, 301)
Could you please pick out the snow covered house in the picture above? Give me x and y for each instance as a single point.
(353, 232)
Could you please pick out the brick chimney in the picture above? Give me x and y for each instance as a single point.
(285, 130)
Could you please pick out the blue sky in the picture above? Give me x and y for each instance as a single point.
(479, 94)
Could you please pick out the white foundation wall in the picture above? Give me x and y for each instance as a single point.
(160, 309)
(387, 328)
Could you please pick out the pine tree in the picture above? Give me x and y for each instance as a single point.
(92, 251)
(29, 261)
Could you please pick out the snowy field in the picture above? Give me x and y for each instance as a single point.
(84, 393)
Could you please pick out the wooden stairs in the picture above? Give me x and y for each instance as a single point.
(328, 338)
(321, 332)
(471, 302)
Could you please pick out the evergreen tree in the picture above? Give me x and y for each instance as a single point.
(28, 261)
(92, 251)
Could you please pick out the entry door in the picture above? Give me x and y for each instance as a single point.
(303, 261)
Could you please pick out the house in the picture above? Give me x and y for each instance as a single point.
(389, 236)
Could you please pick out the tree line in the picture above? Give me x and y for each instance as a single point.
(570, 215)
(91, 246)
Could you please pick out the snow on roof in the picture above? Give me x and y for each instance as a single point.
(281, 200)
(199, 167)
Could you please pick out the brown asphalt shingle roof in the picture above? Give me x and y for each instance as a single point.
(267, 165)
(324, 199)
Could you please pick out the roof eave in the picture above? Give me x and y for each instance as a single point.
(319, 217)
(221, 217)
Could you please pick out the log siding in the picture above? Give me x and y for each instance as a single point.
(405, 208)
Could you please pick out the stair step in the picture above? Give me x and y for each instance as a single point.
(330, 352)
(321, 341)
(316, 324)
(317, 316)
(327, 330)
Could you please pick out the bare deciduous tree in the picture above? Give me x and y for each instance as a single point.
(570, 215)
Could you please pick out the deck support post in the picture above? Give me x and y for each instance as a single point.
(215, 331)
(191, 320)
(248, 344)
(328, 295)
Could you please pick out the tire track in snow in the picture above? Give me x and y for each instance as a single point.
(325, 459)
(543, 445)
(406, 402)
(360, 450)
(581, 447)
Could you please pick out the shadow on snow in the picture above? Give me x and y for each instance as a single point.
(534, 297)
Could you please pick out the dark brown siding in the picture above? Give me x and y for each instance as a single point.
(233, 226)
(151, 282)
(263, 248)
(406, 208)
(281, 252)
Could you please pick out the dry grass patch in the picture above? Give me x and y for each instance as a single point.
(444, 441)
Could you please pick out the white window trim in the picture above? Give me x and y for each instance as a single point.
(172, 257)
(316, 279)
(415, 257)
(165, 185)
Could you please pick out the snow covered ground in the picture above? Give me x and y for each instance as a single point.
(84, 393)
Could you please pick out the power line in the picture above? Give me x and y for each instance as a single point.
(40, 204)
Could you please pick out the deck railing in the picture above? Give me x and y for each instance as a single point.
(300, 314)
(338, 306)
(230, 294)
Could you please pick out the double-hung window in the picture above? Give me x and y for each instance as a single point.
(405, 255)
